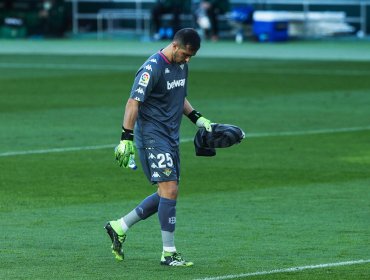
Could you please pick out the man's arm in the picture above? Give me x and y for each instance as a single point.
(131, 111)
(196, 117)
(187, 107)
(125, 152)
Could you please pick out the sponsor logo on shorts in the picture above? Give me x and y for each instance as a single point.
(154, 165)
(156, 175)
(144, 79)
(175, 84)
(167, 172)
(151, 156)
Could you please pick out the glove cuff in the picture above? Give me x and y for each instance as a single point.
(194, 116)
(127, 134)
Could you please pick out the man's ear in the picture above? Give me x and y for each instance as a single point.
(175, 45)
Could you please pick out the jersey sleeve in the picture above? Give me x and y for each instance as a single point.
(145, 80)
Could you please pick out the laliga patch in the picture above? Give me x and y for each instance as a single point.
(144, 79)
(167, 172)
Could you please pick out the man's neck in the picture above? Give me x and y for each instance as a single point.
(167, 52)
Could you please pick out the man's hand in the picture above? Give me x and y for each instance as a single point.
(123, 152)
(199, 120)
(203, 122)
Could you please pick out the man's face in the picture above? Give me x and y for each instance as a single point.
(182, 55)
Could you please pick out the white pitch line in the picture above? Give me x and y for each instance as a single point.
(285, 270)
(55, 150)
(185, 140)
(67, 149)
(309, 132)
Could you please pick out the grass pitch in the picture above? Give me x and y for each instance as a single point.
(294, 193)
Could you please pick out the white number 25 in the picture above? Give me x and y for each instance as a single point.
(164, 160)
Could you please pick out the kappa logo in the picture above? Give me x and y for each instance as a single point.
(154, 165)
(153, 60)
(148, 67)
(175, 84)
(167, 71)
(151, 156)
(156, 175)
(144, 79)
(139, 90)
(141, 210)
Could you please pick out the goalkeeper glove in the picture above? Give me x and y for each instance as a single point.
(200, 121)
(125, 152)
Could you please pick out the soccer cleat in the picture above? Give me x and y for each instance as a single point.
(113, 229)
(174, 259)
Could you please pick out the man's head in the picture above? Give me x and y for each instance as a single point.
(185, 44)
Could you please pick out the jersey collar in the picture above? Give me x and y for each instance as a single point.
(164, 57)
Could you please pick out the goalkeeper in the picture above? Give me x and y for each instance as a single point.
(152, 119)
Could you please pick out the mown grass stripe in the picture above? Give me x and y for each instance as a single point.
(98, 67)
(61, 66)
(185, 140)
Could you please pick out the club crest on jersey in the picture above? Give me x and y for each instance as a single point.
(175, 84)
(144, 79)
(167, 172)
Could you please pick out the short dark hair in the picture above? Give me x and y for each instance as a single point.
(188, 37)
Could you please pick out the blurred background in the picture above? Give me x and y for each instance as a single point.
(147, 20)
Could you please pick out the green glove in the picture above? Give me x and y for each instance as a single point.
(200, 121)
(124, 152)
(203, 122)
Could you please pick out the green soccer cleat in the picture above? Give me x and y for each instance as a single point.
(174, 259)
(117, 236)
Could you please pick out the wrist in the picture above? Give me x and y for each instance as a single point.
(127, 134)
(194, 116)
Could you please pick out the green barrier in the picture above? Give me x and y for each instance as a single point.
(10, 32)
